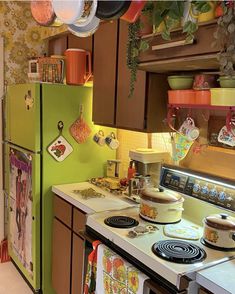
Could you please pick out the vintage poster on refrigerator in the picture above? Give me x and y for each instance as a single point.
(21, 207)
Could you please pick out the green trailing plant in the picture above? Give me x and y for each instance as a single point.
(225, 39)
(134, 46)
(167, 14)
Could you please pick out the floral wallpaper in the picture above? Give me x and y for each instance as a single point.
(23, 39)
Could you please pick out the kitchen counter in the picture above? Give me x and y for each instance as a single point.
(219, 279)
(91, 205)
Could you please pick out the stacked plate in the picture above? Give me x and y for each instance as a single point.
(83, 17)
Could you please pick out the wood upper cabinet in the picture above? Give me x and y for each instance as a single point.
(104, 84)
(61, 257)
(146, 109)
(130, 112)
(80, 43)
(58, 44)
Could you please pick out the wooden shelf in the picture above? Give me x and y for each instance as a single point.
(178, 29)
(221, 150)
(201, 106)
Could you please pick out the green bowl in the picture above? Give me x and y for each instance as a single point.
(227, 81)
(180, 82)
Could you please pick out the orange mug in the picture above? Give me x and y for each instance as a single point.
(78, 66)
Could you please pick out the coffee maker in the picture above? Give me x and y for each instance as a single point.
(147, 164)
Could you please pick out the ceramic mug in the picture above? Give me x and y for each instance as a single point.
(189, 130)
(99, 138)
(111, 141)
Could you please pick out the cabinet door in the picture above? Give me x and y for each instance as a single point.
(104, 86)
(130, 112)
(61, 257)
(80, 43)
(58, 45)
(77, 265)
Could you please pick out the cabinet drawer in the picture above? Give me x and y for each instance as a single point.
(79, 220)
(176, 47)
(63, 211)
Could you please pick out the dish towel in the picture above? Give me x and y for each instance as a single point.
(116, 276)
(90, 282)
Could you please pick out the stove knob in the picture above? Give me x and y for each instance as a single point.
(204, 190)
(222, 196)
(196, 188)
(213, 193)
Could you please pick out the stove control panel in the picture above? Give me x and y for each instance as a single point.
(201, 187)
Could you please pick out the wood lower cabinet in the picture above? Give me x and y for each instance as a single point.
(61, 257)
(68, 248)
(77, 265)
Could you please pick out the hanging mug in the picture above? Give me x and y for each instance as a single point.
(189, 130)
(78, 66)
(99, 138)
(111, 141)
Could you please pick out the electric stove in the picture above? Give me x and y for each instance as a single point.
(169, 258)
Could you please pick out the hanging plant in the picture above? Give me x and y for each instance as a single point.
(225, 39)
(134, 46)
(168, 15)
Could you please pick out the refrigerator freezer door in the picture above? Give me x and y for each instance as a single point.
(24, 212)
(23, 116)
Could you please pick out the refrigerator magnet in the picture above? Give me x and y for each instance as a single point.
(60, 148)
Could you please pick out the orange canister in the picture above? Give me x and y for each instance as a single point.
(78, 66)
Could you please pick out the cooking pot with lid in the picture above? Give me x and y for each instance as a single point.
(161, 206)
(219, 230)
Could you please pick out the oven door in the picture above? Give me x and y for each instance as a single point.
(152, 287)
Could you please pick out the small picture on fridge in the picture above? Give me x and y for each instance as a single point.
(21, 207)
(60, 148)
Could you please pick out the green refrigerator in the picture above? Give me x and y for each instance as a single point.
(34, 117)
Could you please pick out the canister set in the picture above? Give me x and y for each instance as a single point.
(166, 207)
(202, 89)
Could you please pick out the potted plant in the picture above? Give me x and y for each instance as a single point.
(163, 16)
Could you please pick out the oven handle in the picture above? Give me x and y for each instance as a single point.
(155, 288)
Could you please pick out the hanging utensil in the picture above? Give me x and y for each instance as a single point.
(43, 13)
(134, 11)
(80, 130)
(110, 10)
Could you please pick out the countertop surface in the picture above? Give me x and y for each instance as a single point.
(91, 205)
(219, 279)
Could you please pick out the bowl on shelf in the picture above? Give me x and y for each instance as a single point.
(227, 81)
(180, 82)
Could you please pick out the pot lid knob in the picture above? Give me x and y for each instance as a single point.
(224, 215)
